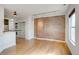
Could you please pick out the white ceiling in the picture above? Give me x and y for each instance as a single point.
(23, 10)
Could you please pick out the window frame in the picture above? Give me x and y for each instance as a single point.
(71, 27)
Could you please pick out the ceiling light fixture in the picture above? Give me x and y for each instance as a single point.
(64, 4)
(14, 13)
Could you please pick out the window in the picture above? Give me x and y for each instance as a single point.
(72, 27)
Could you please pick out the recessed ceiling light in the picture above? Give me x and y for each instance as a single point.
(64, 4)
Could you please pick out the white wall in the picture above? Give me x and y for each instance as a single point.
(17, 20)
(29, 28)
(1, 20)
(73, 49)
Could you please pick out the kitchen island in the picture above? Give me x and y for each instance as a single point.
(7, 39)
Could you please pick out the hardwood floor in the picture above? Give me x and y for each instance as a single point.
(37, 47)
(9, 51)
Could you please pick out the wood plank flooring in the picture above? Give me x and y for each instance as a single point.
(37, 47)
(9, 51)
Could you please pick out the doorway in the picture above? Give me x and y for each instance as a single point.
(20, 29)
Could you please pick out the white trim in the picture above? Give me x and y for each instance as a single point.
(72, 42)
(70, 27)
